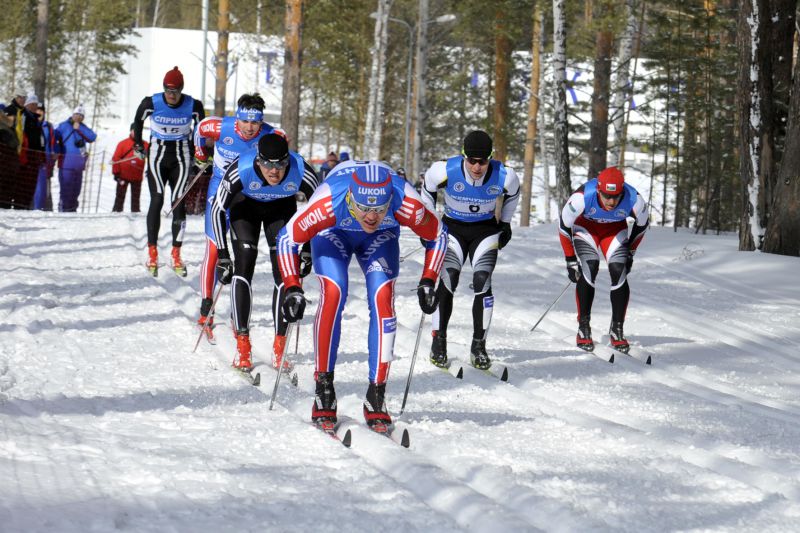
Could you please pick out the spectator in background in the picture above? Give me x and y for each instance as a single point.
(127, 168)
(326, 167)
(9, 161)
(42, 199)
(75, 135)
(344, 156)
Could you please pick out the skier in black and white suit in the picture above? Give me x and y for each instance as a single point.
(472, 183)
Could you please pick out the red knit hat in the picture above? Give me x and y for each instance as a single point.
(173, 79)
(610, 181)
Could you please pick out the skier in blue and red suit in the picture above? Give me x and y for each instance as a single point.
(594, 222)
(358, 210)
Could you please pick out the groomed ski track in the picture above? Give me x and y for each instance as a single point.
(705, 438)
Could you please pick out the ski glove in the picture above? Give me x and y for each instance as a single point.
(138, 150)
(426, 292)
(573, 269)
(294, 303)
(224, 268)
(629, 262)
(505, 233)
(305, 260)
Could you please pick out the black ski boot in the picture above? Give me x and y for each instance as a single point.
(439, 349)
(478, 356)
(618, 340)
(323, 412)
(584, 337)
(375, 412)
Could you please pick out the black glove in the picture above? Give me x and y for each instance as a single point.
(505, 233)
(305, 260)
(629, 262)
(573, 269)
(294, 303)
(423, 242)
(117, 178)
(426, 292)
(224, 267)
(138, 151)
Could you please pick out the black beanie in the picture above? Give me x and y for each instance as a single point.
(272, 147)
(478, 144)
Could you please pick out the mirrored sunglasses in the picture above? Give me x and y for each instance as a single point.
(377, 209)
(173, 92)
(274, 163)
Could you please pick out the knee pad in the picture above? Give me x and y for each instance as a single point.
(481, 281)
(618, 273)
(593, 265)
(450, 279)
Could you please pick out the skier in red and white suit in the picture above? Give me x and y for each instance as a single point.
(594, 222)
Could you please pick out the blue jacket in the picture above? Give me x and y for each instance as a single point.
(73, 144)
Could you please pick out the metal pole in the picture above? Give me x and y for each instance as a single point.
(204, 25)
(413, 360)
(551, 305)
(100, 182)
(280, 370)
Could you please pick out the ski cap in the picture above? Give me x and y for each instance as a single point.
(344, 156)
(31, 99)
(173, 79)
(610, 181)
(371, 188)
(79, 110)
(478, 144)
(273, 147)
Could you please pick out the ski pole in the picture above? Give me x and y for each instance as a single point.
(280, 370)
(551, 305)
(210, 314)
(131, 158)
(413, 360)
(187, 189)
(412, 252)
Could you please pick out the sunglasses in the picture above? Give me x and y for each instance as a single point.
(274, 163)
(477, 160)
(173, 92)
(379, 209)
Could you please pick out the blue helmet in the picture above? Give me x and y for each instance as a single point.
(371, 187)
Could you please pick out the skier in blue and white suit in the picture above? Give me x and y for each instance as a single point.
(358, 210)
(472, 183)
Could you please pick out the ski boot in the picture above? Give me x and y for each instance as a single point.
(177, 265)
(242, 360)
(323, 412)
(439, 349)
(375, 413)
(152, 260)
(584, 337)
(618, 340)
(278, 350)
(478, 356)
(206, 320)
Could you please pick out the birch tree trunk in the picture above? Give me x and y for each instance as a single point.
(372, 129)
(754, 103)
(420, 104)
(292, 63)
(533, 111)
(561, 135)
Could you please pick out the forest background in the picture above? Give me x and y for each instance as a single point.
(715, 82)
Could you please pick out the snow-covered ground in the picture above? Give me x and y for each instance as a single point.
(109, 421)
